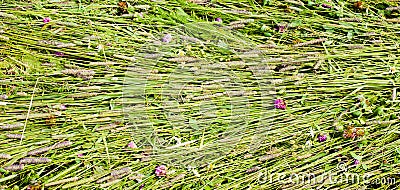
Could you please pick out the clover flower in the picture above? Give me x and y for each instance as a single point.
(280, 104)
(280, 28)
(161, 171)
(132, 145)
(322, 138)
(167, 38)
(4, 97)
(63, 107)
(46, 20)
(59, 54)
(326, 6)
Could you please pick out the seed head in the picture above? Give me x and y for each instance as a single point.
(5, 156)
(15, 167)
(34, 160)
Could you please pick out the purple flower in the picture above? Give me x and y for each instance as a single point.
(4, 97)
(326, 6)
(59, 54)
(80, 155)
(132, 145)
(161, 171)
(167, 38)
(63, 107)
(46, 20)
(280, 28)
(322, 138)
(280, 104)
(218, 19)
(356, 162)
(141, 187)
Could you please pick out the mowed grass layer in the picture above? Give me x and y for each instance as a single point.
(184, 94)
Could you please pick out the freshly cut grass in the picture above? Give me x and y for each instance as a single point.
(96, 99)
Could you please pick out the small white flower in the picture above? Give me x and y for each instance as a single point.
(189, 168)
(178, 140)
(171, 172)
(308, 144)
(100, 47)
(196, 173)
(311, 132)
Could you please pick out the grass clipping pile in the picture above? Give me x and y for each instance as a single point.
(189, 95)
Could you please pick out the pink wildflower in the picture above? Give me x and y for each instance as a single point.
(167, 38)
(161, 171)
(63, 107)
(280, 104)
(280, 28)
(326, 6)
(46, 20)
(132, 145)
(4, 97)
(322, 138)
(59, 54)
